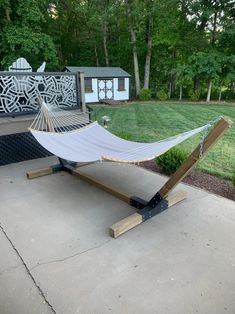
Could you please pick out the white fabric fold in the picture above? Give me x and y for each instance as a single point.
(94, 143)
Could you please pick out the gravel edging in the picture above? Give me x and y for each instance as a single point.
(201, 180)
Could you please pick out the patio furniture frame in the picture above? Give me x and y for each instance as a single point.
(162, 200)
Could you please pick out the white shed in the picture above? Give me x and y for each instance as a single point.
(102, 83)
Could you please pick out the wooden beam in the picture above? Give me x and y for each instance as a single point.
(125, 225)
(39, 173)
(176, 197)
(210, 140)
(136, 219)
(82, 91)
(172, 199)
(119, 194)
(44, 171)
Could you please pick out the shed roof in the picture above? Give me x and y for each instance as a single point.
(99, 71)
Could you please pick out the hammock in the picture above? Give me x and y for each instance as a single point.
(72, 136)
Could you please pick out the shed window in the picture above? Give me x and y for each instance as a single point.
(88, 85)
(121, 84)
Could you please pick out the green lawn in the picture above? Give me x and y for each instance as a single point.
(151, 122)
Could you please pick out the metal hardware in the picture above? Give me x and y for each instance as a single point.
(69, 166)
(157, 198)
(57, 168)
(156, 205)
(138, 202)
(148, 212)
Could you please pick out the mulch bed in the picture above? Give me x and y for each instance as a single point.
(201, 180)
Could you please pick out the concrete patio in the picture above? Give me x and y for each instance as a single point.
(57, 256)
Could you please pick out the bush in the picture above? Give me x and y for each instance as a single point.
(162, 95)
(171, 160)
(194, 95)
(145, 94)
(233, 179)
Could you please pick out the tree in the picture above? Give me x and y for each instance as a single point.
(227, 72)
(150, 9)
(162, 43)
(206, 65)
(22, 36)
(134, 45)
(183, 74)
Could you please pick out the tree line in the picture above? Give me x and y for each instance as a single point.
(183, 48)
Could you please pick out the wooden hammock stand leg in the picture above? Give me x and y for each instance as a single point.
(162, 199)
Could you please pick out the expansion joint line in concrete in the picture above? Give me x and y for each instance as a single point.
(28, 271)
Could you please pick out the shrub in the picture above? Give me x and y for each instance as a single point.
(145, 94)
(171, 160)
(162, 95)
(125, 135)
(194, 94)
(233, 178)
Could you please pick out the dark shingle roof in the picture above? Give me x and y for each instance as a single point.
(99, 71)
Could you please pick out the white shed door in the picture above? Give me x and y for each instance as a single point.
(105, 89)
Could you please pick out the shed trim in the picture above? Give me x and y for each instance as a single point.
(99, 72)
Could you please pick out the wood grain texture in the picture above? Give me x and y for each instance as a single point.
(39, 173)
(82, 91)
(125, 225)
(176, 197)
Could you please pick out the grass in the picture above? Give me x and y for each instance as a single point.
(149, 122)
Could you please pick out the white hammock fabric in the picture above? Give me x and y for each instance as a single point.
(94, 143)
(76, 140)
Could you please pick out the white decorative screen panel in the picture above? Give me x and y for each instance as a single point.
(19, 93)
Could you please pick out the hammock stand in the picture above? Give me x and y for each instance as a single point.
(163, 198)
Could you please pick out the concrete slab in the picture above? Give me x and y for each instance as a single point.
(181, 261)
(18, 293)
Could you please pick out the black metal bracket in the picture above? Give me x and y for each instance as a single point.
(155, 200)
(148, 212)
(69, 167)
(148, 209)
(57, 168)
(64, 165)
(138, 202)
